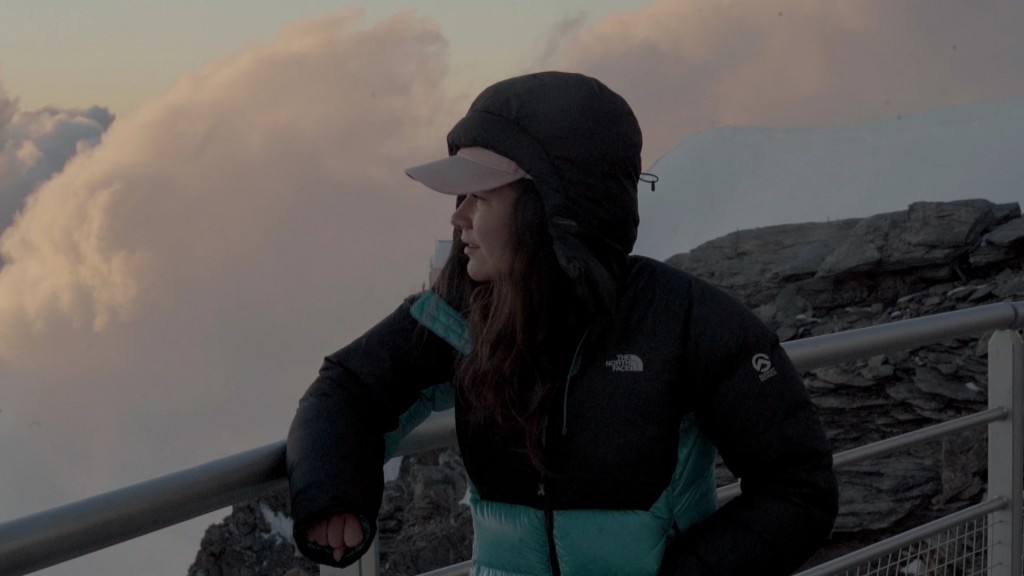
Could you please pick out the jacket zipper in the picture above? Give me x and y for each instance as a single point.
(573, 368)
(549, 513)
(549, 520)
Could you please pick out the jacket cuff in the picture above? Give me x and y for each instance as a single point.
(325, 554)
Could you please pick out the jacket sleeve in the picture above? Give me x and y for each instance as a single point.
(336, 447)
(753, 405)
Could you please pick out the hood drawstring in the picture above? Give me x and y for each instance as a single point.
(648, 178)
(573, 368)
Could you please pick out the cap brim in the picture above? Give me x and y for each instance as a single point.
(457, 176)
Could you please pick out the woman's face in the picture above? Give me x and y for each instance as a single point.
(485, 219)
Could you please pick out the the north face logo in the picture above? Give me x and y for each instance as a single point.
(763, 364)
(626, 363)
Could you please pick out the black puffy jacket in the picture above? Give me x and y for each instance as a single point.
(665, 347)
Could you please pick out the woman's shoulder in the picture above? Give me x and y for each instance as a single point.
(644, 271)
(711, 318)
(653, 280)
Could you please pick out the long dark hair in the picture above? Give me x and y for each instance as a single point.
(524, 327)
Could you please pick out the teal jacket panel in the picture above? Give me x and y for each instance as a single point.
(509, 539)
(512, 539)
(440, 318)
(692, 491)
(431, 311)
(434, 399)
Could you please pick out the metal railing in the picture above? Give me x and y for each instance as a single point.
(66, 532)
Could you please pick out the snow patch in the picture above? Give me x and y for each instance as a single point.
(391, 469)
(280, 526)
(915, 568)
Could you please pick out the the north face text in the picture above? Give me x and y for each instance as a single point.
(626, 363)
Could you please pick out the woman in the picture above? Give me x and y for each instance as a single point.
(592, 388)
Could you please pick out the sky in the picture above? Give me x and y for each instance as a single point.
(745, 177)
(201, 200)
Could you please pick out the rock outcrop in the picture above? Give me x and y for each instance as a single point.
(847, 262)
(424, 522)
(254, 540)
(804, 280)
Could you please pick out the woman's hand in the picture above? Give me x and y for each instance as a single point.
(341, 532)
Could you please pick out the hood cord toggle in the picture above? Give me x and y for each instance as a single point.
(648, 178)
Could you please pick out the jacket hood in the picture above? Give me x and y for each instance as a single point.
(580, 142)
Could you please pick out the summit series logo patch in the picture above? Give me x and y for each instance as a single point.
(763, 364)
(626, 363)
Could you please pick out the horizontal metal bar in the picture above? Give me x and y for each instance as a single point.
(918, 436)
(59, 534)
(65, 532)
(53, 536)
(437, 431)
(819, 351)
(914, 535)
(847, 457)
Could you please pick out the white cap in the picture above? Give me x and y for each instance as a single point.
(469, 171)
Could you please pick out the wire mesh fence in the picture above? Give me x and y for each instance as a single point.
(961, 550)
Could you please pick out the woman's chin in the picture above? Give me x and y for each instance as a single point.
(478, 273)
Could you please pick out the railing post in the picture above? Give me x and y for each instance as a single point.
(368, 565)
(1006, 451)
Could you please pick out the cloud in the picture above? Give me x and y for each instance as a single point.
(249, 166)
(687, 67)
(559, 38)
(169, 295)
(35, 145)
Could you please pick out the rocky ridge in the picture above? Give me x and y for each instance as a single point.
(803, 280)
(255, 539)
